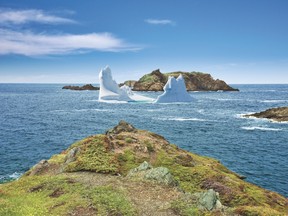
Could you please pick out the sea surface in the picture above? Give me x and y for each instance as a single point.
(39, 120)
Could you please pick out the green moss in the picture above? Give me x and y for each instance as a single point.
(127, 161)
(58, 159)
(149, 145)
(94, 156)
(109, 201)
(39, 195)
(147, 78)
(128, 140)
(180, 207)
(44, 195)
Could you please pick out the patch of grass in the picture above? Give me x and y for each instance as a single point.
(257, 211)
(149, 145)
(56, 195)
(109, 201)
(94, 156)
(147, 78)
(180, 207)
(127, 161)
(34, 196)
(128, 140)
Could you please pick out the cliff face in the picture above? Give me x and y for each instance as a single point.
(276, 114)
(128, 171)
(195, 81)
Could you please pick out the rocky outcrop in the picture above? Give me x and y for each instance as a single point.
(128, 171)
(194, 81)
(81, 88)
(279, 114)
(160, 175)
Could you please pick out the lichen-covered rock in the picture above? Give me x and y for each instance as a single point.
(160, 175)
(209, 200)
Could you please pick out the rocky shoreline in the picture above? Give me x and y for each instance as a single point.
(194, 81)
(128, 171)
(279, 114)
(81, 88)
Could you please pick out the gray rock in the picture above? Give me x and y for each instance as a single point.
(160, 175)
(39, 167)
(209, 200)
(142, 167)
(71, 155)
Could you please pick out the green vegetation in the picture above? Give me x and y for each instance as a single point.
(82, 181)
(94, 156)
(54, 195)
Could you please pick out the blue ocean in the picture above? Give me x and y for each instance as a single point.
(39, 120)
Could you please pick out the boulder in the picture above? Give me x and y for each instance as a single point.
(122, 127)
(159, 175)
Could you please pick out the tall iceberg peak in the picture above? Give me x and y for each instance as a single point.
(174, 91)
(109, 89)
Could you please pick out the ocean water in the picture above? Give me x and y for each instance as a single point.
(39, 120)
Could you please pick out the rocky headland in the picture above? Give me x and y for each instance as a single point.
(195, 81)
(81, 88)
(128, 171)
(279, 114)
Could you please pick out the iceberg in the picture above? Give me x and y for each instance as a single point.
(174, 91)
(109, 89)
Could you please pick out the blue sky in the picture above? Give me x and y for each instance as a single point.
(239, 41)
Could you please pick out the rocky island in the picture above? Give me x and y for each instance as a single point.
(195, 81)
(128, 171)
(278, 114)
(81, 88)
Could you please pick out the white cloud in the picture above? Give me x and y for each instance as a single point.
(9, 16)
(160, 22)
(31, 44)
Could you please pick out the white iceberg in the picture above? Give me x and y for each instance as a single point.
(174, 91)
(110, 91)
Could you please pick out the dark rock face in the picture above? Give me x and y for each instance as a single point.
(276, 114)
(195, 81)
(81, 88)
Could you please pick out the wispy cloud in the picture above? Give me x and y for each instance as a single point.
(160, 21)
(31, 44)
(9, 16)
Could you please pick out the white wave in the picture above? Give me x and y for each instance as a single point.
(97, 110)
(274, 101)
(181, 119)
(261, 128)
(14, 175)
(227, 99)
